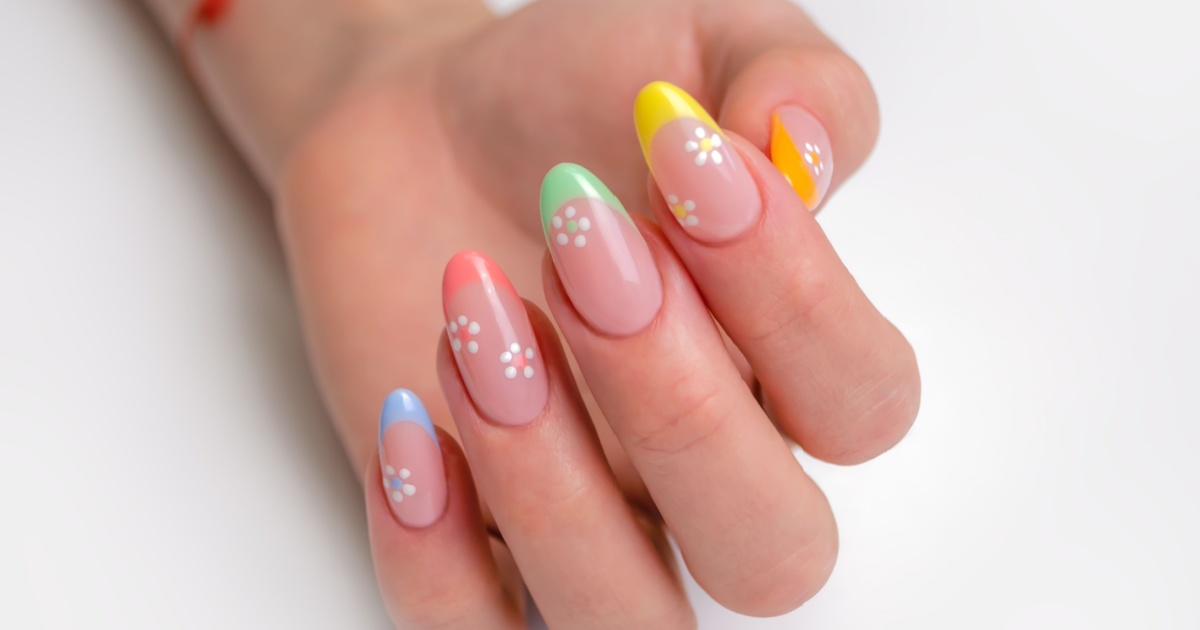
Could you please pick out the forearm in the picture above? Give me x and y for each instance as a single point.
(267, 68)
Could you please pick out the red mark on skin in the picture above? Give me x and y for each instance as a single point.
(209, 12)
(206, 14)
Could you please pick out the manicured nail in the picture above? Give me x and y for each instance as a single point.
(706, 184)
(493, 341)
(414, 478)
(600, 256)
(800, 149)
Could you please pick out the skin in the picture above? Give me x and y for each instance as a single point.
(393, 134)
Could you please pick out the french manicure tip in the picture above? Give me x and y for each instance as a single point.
(569, 181)
(403, 405)
(801, 150)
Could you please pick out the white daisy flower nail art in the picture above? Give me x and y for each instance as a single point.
(517, 362)
(705, 147)
(461, 332)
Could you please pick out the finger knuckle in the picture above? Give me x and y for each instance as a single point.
(778, 580)
(807, 299)
(691, 414)
(890, 406)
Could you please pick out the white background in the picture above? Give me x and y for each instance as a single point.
(1028, 219)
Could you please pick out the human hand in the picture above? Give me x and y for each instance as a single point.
(414, 161)
(436, 146)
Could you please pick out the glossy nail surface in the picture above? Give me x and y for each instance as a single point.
(414, 478)
(600, 256)
(493, 341)
(706, 184)
(800, 150)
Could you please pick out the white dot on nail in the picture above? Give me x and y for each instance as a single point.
(699, 132)
(563, 239)
(453, 327)
(528, 353)
(462, 320)
(473, 328)
(510, 372)
(472, 347)
(389, 470)
(528, 371)
(506, 357)
(580, 241)
(693, 221)
(570, 212)
(556, 222)
(585, 224)
(516, 347)
(716, 158)
(409, 489)
(397, 497)
(672, 199)
(456, 344)
(404, 473)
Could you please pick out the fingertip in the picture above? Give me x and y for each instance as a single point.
(442, 574)
(822, 94)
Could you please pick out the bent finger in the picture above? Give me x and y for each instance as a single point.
(539, 465)
(756, 532)
(841, 378)
(432, 555)
(784, 85)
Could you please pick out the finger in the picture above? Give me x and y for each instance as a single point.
(432, 555)
(755, 531)
(841, 378)
(778, 81)
(538, 463)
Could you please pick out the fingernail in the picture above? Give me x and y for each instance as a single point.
(493, 341)
(800, 150)
(414, 478)
(601, 258)
(706, 184)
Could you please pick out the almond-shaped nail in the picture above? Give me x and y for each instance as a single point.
(800, 150)
(493, 341)
(705, 181)
(601, 258)
(414, 478)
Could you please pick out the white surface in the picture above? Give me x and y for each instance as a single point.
(1028, 220)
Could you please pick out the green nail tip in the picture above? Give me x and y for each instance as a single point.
(571, 181)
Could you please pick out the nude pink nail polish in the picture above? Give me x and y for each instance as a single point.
(410, 459)
(707, 186)
(493, 341)
(601, 258)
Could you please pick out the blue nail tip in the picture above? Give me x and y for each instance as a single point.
(404, 406)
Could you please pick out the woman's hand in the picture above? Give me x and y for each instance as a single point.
(436, 141)
(433, 147)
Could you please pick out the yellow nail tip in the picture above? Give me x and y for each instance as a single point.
(661, 103)
(787, 158)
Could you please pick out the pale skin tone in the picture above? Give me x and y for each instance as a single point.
(393, 133)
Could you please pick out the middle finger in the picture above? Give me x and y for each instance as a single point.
(755, 531)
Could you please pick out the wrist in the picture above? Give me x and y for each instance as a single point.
(268, 67)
